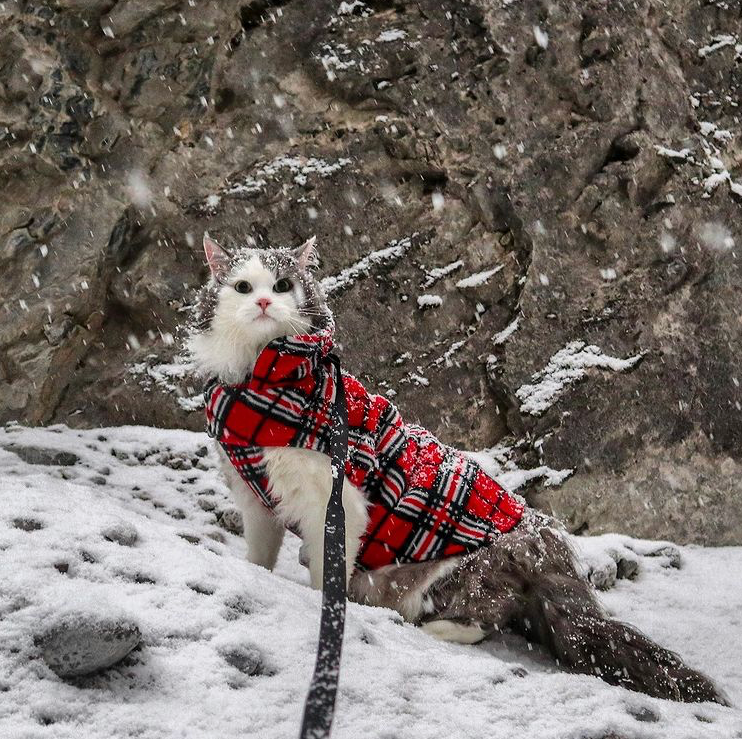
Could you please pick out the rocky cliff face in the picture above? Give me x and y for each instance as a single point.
(527, 213)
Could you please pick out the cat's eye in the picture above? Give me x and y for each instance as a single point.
(243, 286)
(283, 285)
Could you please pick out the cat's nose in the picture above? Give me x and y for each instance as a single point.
(263, 303)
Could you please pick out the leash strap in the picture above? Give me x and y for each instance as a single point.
(320, 703)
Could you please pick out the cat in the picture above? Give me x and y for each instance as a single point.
(251, 299)
(525, 579)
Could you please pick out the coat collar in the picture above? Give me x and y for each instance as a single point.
(290, 358)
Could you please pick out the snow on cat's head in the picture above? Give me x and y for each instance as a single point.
(253, 296)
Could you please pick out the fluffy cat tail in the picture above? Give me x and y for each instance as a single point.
(527, 580)
(562, 613)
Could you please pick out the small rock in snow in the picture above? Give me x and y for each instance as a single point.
(121, 533)
(84, 645)
(49, 457)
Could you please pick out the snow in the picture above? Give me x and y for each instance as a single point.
(566, 367)
(608, 274)
(169, 377)
(717, 42)
(713, 170)
(716, 236)
(139, 190)
(197, 599)
(667, 242)
(498, 462)
(393, 34)
(418, 379)
(348, 276)
(429, 301)
(448, 355)
(347, 8)
(479, 278)
(711, 129)
(681, 154)
(438, 273)
(542, 38)
(507, 332)
(336, 58)
(301, 169)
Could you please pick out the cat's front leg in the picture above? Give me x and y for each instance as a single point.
(263, 531)
(313, 529)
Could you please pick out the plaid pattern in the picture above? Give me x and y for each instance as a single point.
(426, 500)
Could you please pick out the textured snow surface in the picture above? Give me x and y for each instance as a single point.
(186, 583)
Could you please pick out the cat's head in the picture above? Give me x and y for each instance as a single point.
(253, 296)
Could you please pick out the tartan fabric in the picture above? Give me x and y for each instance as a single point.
(426, 500)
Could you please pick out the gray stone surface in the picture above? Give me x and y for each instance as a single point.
(129, 128)
(78, 647)
(121, 533)
(49, 457)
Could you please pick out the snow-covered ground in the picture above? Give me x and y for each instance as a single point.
(129, 524)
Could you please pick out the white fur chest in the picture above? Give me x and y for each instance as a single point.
(300, 481)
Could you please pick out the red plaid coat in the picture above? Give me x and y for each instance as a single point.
(426, 500)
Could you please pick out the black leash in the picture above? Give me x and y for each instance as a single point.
(320, 704)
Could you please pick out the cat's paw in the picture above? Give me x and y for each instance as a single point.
(610, 557)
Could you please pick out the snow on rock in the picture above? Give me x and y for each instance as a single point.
(542, 38)
(567, 366)
(718, 42)
(438, 273)
(498, 461)
(447, 358)
(393, 34)
(711, 129)
(507, 332)
(681, 154)
(712, 169)
(349, 8)
(336, 57)
(78, 647)
(226, 649)
(479, 278)
(362, 268)
(610, 556)
(429, 301)
(169, 377)
(300, 169)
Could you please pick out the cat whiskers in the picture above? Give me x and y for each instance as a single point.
(296, 326)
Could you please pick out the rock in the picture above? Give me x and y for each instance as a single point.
(122, 533)
(38, 455)
(643, 714)
(190, 538)
(669, 554)
(604, 576)
(28, 524)
(627, 569)
(247, 660)
(79, 647)
(445, 128)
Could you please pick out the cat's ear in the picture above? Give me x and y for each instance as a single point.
(217, 258)
(306, 254)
